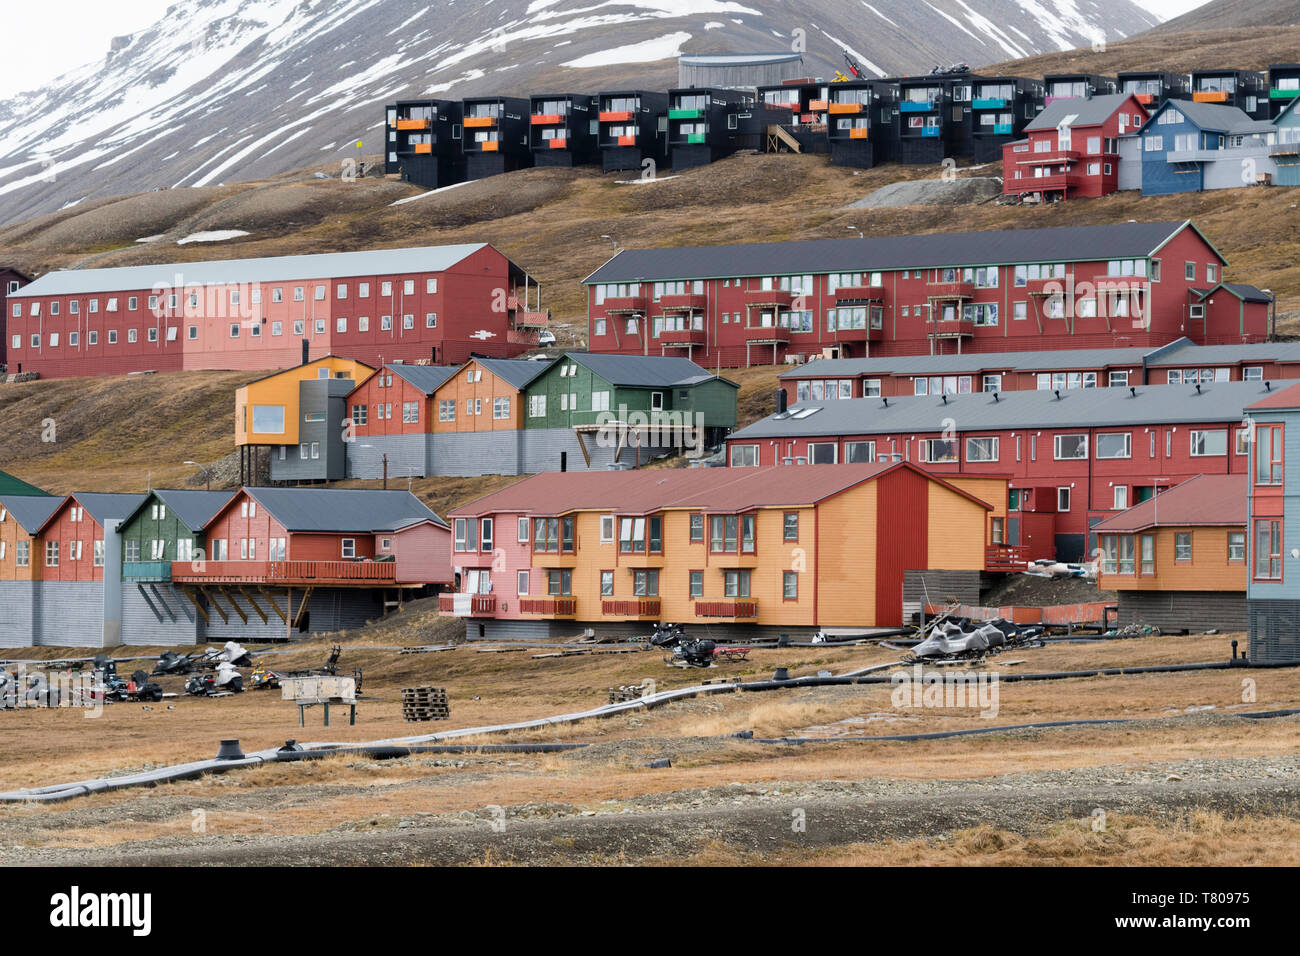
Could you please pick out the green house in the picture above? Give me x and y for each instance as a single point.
(166, 528)
(585, 389)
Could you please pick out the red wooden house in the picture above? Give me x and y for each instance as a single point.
(1072, 148)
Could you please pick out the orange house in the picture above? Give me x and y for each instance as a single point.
(1178, 560)
(21, 517)
(741, 551)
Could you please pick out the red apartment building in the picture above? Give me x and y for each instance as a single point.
(431, 304)
(1131, 284)
(1072, 148)
(1072, 457)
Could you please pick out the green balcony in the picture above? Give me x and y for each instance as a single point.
(685, 114)
(145, 571)
(1276, 94)
(695, 137)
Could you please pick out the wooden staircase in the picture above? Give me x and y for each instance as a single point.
(778, 136)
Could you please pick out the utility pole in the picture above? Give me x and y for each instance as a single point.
(385, 471)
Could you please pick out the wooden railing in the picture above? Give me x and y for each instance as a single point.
(478, 604)
(740, 610)
(636, 607)
(1005, 557)
(557, 606)
(284, 572)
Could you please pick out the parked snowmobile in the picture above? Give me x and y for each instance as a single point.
(170, 663)
(226, 679)
(232, 652)
(261, 677)
(686, 652)
(118, 689)
(962, 638)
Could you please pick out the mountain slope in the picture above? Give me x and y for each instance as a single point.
(225, 90)
(1229, 14)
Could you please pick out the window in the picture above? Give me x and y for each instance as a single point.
(1236, 547)
(410, 412)
(938, 450)
(315, 449)
(431, 320)
(1120, 497)
(1183, 546)
(464, 531)
(822, 453)
(1070, 447)
(859, 451)
(735, 584)
(1148, 555)
(559, 583)
(981, 449)
(501, 407)
(1209, 444)
(1268, 454)
(1268, 550)
(744, 456)
(536, 406)
(1062, 499)
(523, 531)
(485, 534)
(606, 583)
(521, 582)
(697, 584)
(446, 410)
(790, 585)
(697, 527)
(112, 337)
(790, 526)
(1115, 445)
(645, 582)
(340, 324)
(349, 549)
(51, 554)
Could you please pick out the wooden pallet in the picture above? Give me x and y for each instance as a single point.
(425, 703)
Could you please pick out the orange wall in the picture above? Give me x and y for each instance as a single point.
(1208, 570)
(282, 389)
(11, 532)
(489, 387)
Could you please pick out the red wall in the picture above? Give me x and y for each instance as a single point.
(64, 530)
(423, 554)
(902, 537)
(371, 393)
(230, 525)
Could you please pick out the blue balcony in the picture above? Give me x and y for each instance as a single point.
(917, 106)
(930, 131)
(989, 103)
(1002, 129)
(147, 571)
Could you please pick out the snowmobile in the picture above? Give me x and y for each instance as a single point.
(261, 677)
(225, 680)
(8, 690)
(118, 689)
(231, 652)
(962, 638)
(686, 652)
(170, 663)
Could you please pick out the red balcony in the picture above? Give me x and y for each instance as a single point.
(627, 141)
(819, 106)
(1055, 157)
(617, 116)
(767, 333)
(683, 337)
(1045, 287)
(282, 573)
(950, 290)
(952, 329)
(625, 305)
(559, 144)
(636, 607)
(768, 298)
(1060, 182)
(683, 303)
(547, 119)
(550, 606)
(727, 610)
(875, 293)
(1005, 557)
(471, 605)
(859, 335)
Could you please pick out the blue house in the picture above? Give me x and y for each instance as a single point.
(1189, 146)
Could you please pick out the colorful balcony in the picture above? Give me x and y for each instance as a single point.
(146, 571)
(1059, 182)
(678, 337)
(625, 305)
(859, 132)
(282, 573)
(413, 124)
(635, 607)
(683, 303)
(1051, 158)
(685, 114)
(959, 289)
(1146, 99)
(696, 139)
(627, 141)
(490, 146)
(1211, 96)
(918, 106)
(990, 103)
(550, 606)
(617, 116)
(423, 149)
(480, 122)
(932, 132)
(467, 605)
(768, 298)
(728, 610)
(1003, 129)
(839, 108)
(558, 143)
(819, 106)
(546, 119)
(1277, 94)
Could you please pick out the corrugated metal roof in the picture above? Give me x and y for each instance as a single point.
(1085, 112)
(1203, 500)
(516, 372)
(981, 411)
(327, 510)
(1183, 352)
(642, 371)
(194, 508)
(31, 511)
(329, 265)
(427, 378)
(1128, 240)
(710, 489)
(108, 507)
(1212, 116)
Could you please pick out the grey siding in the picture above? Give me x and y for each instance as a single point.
(407, 455)
(1130, 162)
(478, 453)
(328, 609)
(1193, 611)
(542, 448)
(940, 587)
(317, 397)
(158, 614)
(71, 614)
(18, 606)
(1274, 630)
(1239, 167)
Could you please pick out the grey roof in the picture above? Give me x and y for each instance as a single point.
(1086, 112)
(194, 508)
(327, 510)
(31, 511)
(1180, 352)
(737, 59)
(1130, 240)
(1215, 116)
(642, 371)
(1076, 408)
(108, 507)
(1248, 292)
(516, 372)
(427, 378)
(330, 265)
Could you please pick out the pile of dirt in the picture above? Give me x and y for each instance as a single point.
(1029, 590)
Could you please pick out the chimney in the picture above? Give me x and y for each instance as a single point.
(305, 346)
(781, 401)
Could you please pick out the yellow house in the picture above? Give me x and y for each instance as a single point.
(734, 550)
(269, 411)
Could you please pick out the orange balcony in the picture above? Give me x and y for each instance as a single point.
(636, 607)
(480, 122)
(1146, 99)
(283, 573)
(846, 108)
(624, 305)
(423, 149)
(950, 290)
(1210, 96)
(559, 144)
(727, 610)
(550, 606)
(819, 106)
(859, 133)
(627, 141)
(546, 119)
(413, 124)
(617, 116)
(490, 146)
(683, 303)
(772, 298)
(471, 605)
